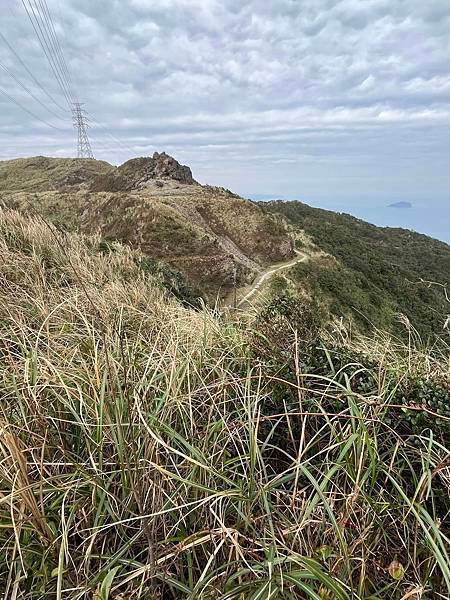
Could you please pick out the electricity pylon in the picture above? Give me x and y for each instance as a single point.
(80, 122)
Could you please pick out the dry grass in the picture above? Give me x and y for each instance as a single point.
(202, 232)
(41, 173)
(139, 457)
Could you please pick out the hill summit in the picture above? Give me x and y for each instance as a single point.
(158, 171)
(45, 174)
(211, 236)
(41, 173)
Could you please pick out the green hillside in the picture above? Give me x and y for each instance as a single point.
(152, 450)
(369, 272)
(41, 173)
(208, 235)
(208, 239)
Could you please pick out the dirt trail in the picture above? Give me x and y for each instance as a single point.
(263, 277)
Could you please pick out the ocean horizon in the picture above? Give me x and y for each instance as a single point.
(428, 218)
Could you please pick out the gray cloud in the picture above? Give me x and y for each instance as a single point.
(307, 98)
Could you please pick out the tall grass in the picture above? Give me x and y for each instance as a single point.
(147, 452)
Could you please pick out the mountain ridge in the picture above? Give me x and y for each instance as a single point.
(213, 237)
(218, 241)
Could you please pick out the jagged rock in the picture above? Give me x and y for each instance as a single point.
(141, 173)
(166, 167)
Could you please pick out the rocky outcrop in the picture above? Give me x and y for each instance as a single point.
(166, 167)
(145, 172)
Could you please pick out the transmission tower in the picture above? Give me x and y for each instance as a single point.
(81, 124)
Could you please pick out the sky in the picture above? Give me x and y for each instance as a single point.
(343, 104)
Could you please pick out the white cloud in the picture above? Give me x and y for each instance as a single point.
(332, 80)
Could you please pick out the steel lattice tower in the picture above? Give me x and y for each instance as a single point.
(80, 122)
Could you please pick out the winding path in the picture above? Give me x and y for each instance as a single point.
(268, 273)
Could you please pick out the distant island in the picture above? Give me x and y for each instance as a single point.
(401, 204)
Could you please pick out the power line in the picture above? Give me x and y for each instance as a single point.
(105, 144)
(58, 46)
(40, 17)
(30, 93)
(116, 140)
(44, 28)
(50, 42)
(49, 26)
(14, 101)
(44, 45)
(100, 145)
(5, 41)
(26, 89)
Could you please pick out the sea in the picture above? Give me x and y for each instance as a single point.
(430, 218)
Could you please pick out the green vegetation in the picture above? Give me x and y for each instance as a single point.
(200, 232)
(149, 450)
(172, 281)
(378, 272)
(41, 173)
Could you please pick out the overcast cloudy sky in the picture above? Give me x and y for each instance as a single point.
(342, 103)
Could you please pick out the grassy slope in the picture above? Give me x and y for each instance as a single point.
(42, 174)
(201, 232)
(151, 451)
(379, 270)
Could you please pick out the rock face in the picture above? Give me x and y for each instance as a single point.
(164, 166)
(145, 172)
